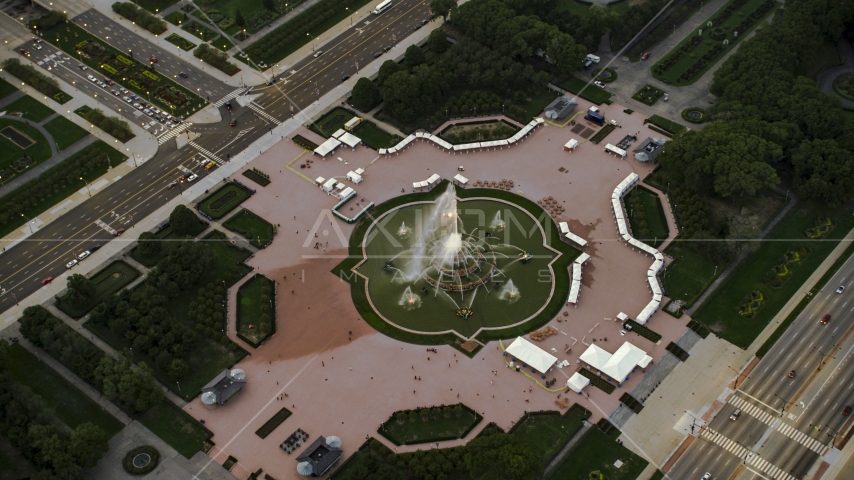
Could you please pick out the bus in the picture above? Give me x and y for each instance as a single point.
(385, 5)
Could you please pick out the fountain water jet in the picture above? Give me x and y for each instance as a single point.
(409, 300)
(509, 292)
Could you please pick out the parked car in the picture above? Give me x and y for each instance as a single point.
(71, 263)
(377, 54)
(645, 56)
(846, 411)
(345, 78)
(318, 53)
(84, 255)
(599, 84)
(386, 48)
(47, 280)
(825, 319)
(840, 289)
(94, 248)
(119, 232)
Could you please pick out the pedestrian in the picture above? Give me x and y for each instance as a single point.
(428, 359)
(351, 369)
(322, 364)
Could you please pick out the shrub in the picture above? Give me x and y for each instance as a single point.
(127, 462)
(141, 17)
(215, 58)
(49, 20)
(32, 77)
(114, 126)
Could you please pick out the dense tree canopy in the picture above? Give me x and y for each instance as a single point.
(366, 94)
(184, 221)
(502, 456)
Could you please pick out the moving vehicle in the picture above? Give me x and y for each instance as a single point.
(71, 263)
(119, 232)
(152, 59)
(37, 46)
(47, 280)
(115, 92)
(735, 414)
(81, 66)
(108, 81)
(91, 78)
(192, 177)
(183, 75)
(707, 476)
(318, 53)
(386, 48)
(792, 374)
(382, 7)
(593, 58)
(95, 248)
(840, 289)
(233, 122)
(645, 56)
(846, 411)
(825, 319)
(24, 52)
(345, 78)
(228, 105)
(172, 184)
(210, 165)
(84, 255)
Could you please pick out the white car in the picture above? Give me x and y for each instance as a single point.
(84, 255)
(71, 263)
(155, 110)
(840, 289)
(37, 46)
(91, 78)
(707, 476)
(146, 111)
(127, 99)
(192, 177)
(599, 84)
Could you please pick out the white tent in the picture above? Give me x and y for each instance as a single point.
(433, 179)
(354, 177)
(571, 144)
(329, 185)
(344, 193)
(319, 180)
(564, 227)
(532, 355)
(595, 356)
(360, 171)
(577, 382)
(463, 180)
(327, 147)
(338, 133)
(350, 139)
(582, 258)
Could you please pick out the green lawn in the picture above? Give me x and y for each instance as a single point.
(258, 231)
(31, 108)
(199, 30)
(251, 298)
(108, 281)
(375, 137)
(549, 433)
(695, 55)
(175, 18)
(653, 212)
(331, 121)
(440, 425)
(177, 428)
(222, 43)
(11, 153)
(228, 256)
(155, 6)
(71, 405)
(597, 451)
(13, 465)
(65, 132)
(67, 36)
(6, 89)
(719, 312)
(538, 102)
(668, 125)
(224, 200)
(180, 42)
(56, 196)
(592, 92)
(690, 274)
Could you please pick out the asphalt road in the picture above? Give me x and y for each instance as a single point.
(144, 190)
(779, 414)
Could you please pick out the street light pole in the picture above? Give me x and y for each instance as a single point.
(28, 223)
(87, 187)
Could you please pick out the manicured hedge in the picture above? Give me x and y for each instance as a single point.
(215, 58)
(273, 422)
(35, 79)
(141, 17)
(127, 462)
(115, 126)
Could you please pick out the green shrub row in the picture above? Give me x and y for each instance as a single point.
(115, 126)
(35, 79)
(216, 58)
(141, 17)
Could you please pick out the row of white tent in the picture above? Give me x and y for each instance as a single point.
(657, 264)
(575, 285)
(426, 136)
(425, 183)
(619, 365)
(340, 137)
(333, 187)
(564, 229)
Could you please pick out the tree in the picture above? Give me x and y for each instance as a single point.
(88, 443)
(178, 369)
(438, 41)
(49, 443)
(501, 456)
(268, 5)
(149, 244)
(366, 94)
(238, 18)
(184, 221)
(80, 289)
(414, 56)
(387, 69)
(825, 170)
(442, 7)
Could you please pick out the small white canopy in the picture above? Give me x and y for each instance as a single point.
(319, 180)
(433, 179)
(329, 185)
(340, 186)
(463, 180)
(531, 355)
(622, 316)
(360, 171)
(577, 382)
(354, 177)
(327, 147)
(571, 144)
(595, 356)
(564, 227)
(338, 133)
(350, 139)
(582, 258)
(344, 193)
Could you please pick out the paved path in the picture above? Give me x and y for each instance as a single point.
(47, 164)
(566, 448)
(826, 78)
(37, 126)
(11, 98)
(740, 257)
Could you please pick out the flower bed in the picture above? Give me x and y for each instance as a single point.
(141, 460)
(597, 381)
(180, 42)
(694, 115)
(648, 95)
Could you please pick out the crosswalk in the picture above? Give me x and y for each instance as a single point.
(739, 451)
(775, 422)
(207, 153)
(230, 96)
(753, 410)
(801, 438)
(173, 133)
(257, 109)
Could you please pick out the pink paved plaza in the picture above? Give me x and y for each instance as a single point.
(342, 377)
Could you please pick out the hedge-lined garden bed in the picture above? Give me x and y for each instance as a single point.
(426, 425)
(141, 17)
(273, 423)
(256, 310)
(114, 126)
(37, 80)
(216, 59)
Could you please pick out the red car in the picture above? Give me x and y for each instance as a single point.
(24, 52)
(825, 319)
(47, 280)
(846, 411)
(119, 232)
(645, 56)
(152, 59)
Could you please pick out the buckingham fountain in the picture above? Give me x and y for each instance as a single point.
(458, 264)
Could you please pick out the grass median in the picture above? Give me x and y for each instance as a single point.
(258, 231)
(65, 132)
(31, 108)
